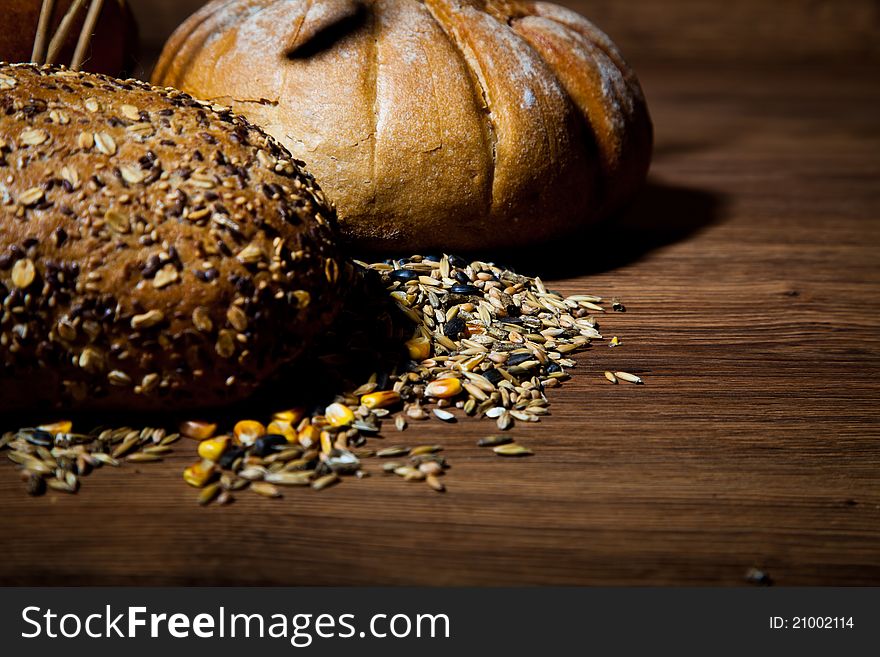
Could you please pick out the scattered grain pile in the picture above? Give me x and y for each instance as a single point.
(424, 338)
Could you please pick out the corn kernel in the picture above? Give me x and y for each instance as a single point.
(63, 426)
(381, 399)
(326, 442)
(199, 474)
(419, 348)
(197, 430)
(282, 428)
(278, 426)
(292, 416)
(339, 415)
(443, 388)
(309, 436)
(213, 448)
(247, 431)
(471, 363)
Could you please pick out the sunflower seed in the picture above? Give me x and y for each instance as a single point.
(391, 452)
(425, 449)
(446, 416)
(494, 441)
(512, 449)
(626, 376)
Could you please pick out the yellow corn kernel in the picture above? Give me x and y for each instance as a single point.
(419, 348)
(381, 399)
(471, 363)
(443, 388)
(309, 436)
(278, 426)
(339, 415)
(474, 328)
(282, 428)
(197, 430)
(213, 448)
(199, 474)
(247, 431)
(614, 341)
(326, 442)
(292, 416)
(62, 426)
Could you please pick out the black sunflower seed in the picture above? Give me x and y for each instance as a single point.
(403, 275)
(229, 457)
(265, 445)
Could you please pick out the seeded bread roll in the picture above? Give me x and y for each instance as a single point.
(155, 252)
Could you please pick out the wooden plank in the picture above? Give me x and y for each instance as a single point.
(749, 268)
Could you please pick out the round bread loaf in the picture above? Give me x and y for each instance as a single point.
(456, 124)
(112, 46)
(155, 252)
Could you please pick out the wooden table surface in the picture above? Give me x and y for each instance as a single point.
(749, 269)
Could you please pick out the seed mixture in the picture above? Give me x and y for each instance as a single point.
(423, 339)
(53, 456)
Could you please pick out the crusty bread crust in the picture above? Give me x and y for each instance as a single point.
(155, 252)
(433, 124)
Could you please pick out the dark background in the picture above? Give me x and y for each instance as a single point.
(750, 269)
(680, 31)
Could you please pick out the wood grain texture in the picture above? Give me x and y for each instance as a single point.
(751, 273)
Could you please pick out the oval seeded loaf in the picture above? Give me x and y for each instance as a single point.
(155, 252)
